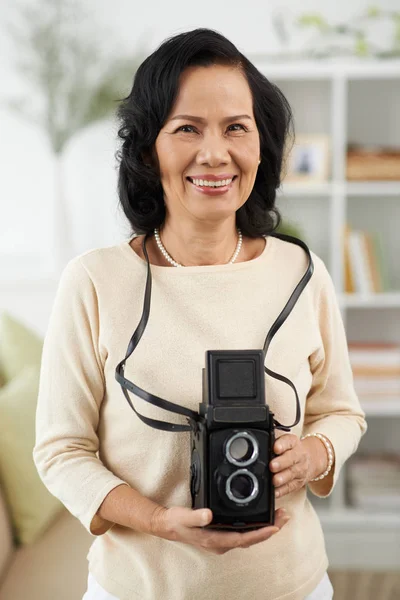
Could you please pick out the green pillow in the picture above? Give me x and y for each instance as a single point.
(19, 347)
(2, 378)
(31, 505)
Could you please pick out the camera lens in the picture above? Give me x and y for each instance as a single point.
(242, 486)
(242, 449)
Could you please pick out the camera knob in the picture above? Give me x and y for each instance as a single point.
(195, 473)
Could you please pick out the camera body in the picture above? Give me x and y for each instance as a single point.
(232, 445)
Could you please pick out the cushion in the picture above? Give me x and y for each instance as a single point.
(31, 505)
(2, 377)
(6, 541)
(19, 347)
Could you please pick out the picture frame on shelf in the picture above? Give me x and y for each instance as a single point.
(307, 161)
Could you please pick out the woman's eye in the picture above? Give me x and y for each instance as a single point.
(238, 127)
(192, 129)
(186, 128)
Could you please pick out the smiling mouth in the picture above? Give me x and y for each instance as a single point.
(204, 184)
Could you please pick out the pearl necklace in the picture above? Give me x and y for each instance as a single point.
(176, 264)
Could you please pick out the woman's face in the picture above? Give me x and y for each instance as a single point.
(208, 149)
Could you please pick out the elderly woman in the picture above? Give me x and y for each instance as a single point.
(203, 137)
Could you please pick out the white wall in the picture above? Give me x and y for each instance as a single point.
(27, 176)
(246, 23)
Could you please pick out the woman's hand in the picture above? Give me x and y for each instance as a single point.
(185, 525)
(297, 462)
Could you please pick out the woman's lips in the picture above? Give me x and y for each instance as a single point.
(213, 191)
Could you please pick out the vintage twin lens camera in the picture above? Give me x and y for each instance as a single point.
(232, 444)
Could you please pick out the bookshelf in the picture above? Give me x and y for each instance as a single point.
(382, 408)
(383, 300)
(351, 102)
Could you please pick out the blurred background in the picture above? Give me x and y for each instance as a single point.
(63, 66)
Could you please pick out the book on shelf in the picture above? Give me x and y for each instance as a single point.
(372, 162)
(373, 481)
(376, 370)
(364, 262)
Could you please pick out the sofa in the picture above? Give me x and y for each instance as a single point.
(43, 548)
(54, 567)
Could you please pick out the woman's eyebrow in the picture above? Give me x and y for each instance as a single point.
(201, 120)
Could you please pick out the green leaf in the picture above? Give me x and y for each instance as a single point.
(71, 73)
(103, 97)
(361, 46)
(313, 20)
(289, 228)
(397, 34)
(373, 12)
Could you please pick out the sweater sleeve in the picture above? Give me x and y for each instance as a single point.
(332, 406)
(71, 390)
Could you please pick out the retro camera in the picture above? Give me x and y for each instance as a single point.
(232, 445)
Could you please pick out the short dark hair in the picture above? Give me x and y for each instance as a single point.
(144, 111)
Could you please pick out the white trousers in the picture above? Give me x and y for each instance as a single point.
(323, 591)
(96, 592)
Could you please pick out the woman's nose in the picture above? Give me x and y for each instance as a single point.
(213, 151)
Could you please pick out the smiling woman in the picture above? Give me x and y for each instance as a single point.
(203, 135)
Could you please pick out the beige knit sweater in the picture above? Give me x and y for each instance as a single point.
(89, 440)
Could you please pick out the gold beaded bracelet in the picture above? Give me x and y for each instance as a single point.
(329, 450)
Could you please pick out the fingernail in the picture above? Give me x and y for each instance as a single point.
(275, 465)
(278, 448)
(204, 518)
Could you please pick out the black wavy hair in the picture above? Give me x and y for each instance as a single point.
(144, 111)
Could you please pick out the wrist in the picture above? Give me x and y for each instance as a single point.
(322, 455)
(157, 524)
(318, 459)
(145, 515)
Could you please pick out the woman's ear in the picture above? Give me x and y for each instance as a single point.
(150, 159)
(146, 158)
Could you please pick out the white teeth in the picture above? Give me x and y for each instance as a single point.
(205, 183)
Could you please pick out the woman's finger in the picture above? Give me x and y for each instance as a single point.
(285, 461)
(285, 442)
(179, 516)
(196, 518)
(295, 471)
(288, 488)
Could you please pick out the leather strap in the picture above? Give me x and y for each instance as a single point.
(146, 396)
(192, 416)
(282, 318)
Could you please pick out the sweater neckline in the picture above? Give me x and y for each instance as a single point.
(175, 271)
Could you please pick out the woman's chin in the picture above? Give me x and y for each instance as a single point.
(214, 211)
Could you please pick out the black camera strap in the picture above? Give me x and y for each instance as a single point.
(282, 318)
(192, 416)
